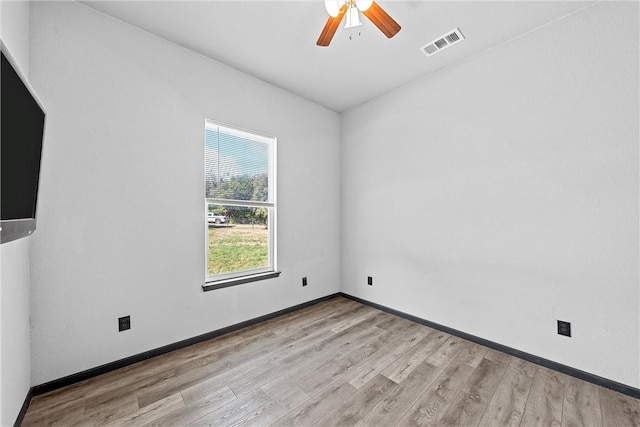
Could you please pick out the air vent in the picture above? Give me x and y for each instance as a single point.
(452, 37)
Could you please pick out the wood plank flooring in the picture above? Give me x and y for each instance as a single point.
(336, 363)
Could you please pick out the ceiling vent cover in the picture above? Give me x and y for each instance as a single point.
(452, 37)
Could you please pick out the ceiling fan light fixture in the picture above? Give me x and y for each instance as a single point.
(353, 18)
(363, 5)
(333, 7)
(337, 9)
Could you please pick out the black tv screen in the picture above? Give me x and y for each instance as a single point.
(22, 128)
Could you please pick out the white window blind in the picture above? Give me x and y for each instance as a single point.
(239, 165)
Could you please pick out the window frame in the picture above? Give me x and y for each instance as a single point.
(245, 276)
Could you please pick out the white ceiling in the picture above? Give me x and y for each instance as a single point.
(275, 41)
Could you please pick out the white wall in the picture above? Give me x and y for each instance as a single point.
(501, 194)
(121, 219)
(15, 344)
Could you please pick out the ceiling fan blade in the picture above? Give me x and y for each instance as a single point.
(382, 20)
(330, 28)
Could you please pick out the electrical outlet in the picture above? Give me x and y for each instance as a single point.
(564, 328)
(124, 323)
(369, 280)
(304, 281)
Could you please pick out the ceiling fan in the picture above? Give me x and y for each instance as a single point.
(337, 9)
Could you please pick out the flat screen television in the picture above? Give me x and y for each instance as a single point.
(22, 125)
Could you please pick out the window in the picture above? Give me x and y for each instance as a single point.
(240, 206)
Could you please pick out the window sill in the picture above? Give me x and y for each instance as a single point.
(218, 284)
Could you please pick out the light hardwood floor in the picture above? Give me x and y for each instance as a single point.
(334, 363)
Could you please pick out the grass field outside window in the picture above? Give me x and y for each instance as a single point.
(237, 247)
